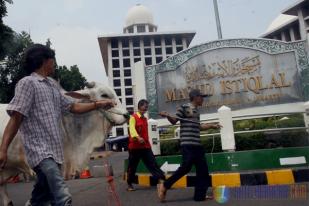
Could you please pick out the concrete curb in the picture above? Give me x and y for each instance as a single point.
(268, 177)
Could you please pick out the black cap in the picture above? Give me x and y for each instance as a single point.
(196, 93)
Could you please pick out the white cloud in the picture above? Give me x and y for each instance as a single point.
(74, 4)
(77, 45)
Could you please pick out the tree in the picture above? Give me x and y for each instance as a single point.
(10, 71)
(6, 33)
(70, 79)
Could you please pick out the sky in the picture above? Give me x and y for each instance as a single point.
(73, 26)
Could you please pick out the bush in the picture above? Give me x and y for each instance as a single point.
(243, 142)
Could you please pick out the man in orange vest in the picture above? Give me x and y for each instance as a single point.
(139, 146)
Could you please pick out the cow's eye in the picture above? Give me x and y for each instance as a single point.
(104, 95)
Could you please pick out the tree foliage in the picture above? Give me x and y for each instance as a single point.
(6, 33)
(10, 71)
(70, 78)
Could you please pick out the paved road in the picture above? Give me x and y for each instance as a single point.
(94, 192)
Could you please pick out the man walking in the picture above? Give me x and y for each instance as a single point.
(35, 111)
(191, 147)
(139, 146)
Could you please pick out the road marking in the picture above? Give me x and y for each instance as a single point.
(293, 160)
(169, 167)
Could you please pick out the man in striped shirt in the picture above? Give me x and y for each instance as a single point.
(191, 147)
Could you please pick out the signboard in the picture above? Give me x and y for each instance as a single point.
(234, 77)
(237, 73)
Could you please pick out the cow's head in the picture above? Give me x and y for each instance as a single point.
(97, 91)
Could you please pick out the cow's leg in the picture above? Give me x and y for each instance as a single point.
(5, 197)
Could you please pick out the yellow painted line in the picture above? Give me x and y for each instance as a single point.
(144, 180)
(227, 179)
(181, 183)
(278, 177)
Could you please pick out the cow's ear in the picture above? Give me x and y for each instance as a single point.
(77, 95)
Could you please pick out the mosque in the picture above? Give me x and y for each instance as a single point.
(140, 42)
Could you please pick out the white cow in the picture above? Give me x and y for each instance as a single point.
(81, 132)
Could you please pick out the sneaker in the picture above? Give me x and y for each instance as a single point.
(161, 192)
(130, 188)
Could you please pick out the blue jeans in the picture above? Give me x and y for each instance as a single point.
(50, 186)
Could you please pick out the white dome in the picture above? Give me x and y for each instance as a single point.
(281, 20)
(139, 14)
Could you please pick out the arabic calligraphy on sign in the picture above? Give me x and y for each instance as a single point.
(222, 69)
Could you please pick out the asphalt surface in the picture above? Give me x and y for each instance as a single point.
(94, 191)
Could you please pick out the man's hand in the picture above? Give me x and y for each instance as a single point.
(216, 126)
(3, 159)
(169, 117)
(140, 140)
(164, 114)
(105, 104)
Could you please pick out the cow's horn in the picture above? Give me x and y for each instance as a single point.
(90, 84)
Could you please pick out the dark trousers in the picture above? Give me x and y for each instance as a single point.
(146, 155)
(193, 155)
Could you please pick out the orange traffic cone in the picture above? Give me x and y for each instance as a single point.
(85, 174)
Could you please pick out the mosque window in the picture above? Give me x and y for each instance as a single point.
(117, 83)
(115, 63)
(147, 51)
(126, 52)
(126, 62)
(141, 28)
(129, 101)
(118, 92)
(137, 52)
(148, 61)
(116, 73)
(127, 72)
(125, 43)
(146, 41)
(128, 91)
(158, 59)
(114, 43)
(137, 59)
(157, 41)
(115, 53)
(168, 40)
(158, 50)
(136, 42)
(130, 30)
(169, 50)
(179, 48)
(128, 82)
(178, 41)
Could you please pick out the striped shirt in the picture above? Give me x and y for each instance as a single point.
(189, 131)
(41, 103)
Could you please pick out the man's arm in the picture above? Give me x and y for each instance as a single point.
(87, 107)
(172, 120)
(8, 135)
(206, 126)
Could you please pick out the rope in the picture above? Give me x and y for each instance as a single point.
(113, 196)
